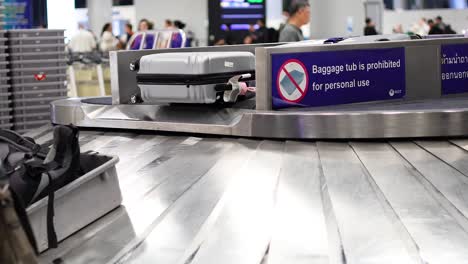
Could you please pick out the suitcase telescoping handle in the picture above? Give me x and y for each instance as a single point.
(230, 96)
(232, 83)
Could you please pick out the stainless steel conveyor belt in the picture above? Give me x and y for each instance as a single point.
(228, 200)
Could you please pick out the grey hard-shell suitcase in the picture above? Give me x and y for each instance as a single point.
(191, 77)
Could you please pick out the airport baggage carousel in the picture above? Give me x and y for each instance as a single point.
(376, 174)
(216, 199)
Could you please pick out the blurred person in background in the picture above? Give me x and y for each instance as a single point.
(168, 24)
(177, 38)
(191, 39)
(127, 35)
(248, 39)
(398, 29)
(449, 30)
(262, 32)
(446, 28)
(83, 41)
(252, 34)
(421, 28)
(434, 28)
(440, 24)
(138, 42)
(219, 42)
(228, 37)
(252, 28)
(299, 16)
(179, 24)
(145, 25)
(108, 41)
(369, 29)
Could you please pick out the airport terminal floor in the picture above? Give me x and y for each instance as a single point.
(229, 200)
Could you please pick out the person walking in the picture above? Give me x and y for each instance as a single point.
(108, 41)
(299, 16)
(83, 41)
(369, 29)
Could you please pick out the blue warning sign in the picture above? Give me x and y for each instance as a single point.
(337, 77)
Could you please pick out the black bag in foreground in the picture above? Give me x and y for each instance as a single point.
(33, 174)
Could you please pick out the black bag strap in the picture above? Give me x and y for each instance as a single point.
(190, 79)
(23, 218)
(50, 168)
(22, 143)
(35, 166)
(51, 234)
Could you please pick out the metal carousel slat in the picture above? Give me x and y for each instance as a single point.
(241, 232)
(444, 182)
(172, 238)
(299, 232)
(439, 237)
(367, 234)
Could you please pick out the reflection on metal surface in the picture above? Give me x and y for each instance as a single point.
(447, 117)
(299, 230)
(439, 238)
(368, 236)
(95, 243)
(248, 236)
(232, 200)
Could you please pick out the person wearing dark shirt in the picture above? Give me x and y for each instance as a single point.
(440, 24)
(252, 33)
(262, 32)
(444, 28)
(370, 30)
(434, 28)
(228, 36)
(128, 34)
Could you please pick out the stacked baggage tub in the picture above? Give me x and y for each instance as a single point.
(37, 75)
(5, 102)
(2, 14)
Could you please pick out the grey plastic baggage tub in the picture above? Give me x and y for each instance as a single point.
(35, 41)
(30, 110)
(27, 33)
(39, 85)
(79, 203)
(4, 88)
(21, 127)
(27, 94)
(41, 63)
(4, 56)
(4, 95)
(44, 116)
(31, 79)
(6, 126)
(4, 65)
(5, 120)
(35, 48)
(38, 56)
(30, 72)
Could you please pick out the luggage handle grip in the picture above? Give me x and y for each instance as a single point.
(223, 87)
(233, 81)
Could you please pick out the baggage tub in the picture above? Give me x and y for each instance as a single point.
(81, 202)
